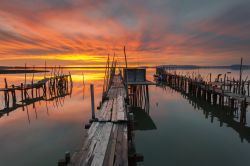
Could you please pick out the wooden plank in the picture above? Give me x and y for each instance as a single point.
(106, 142)
(121, 151)
(101, 141)
(114, 111)
(121, 112)
(101, 112)
(110, 155)
(108, 110)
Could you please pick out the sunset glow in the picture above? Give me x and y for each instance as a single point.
(83, 33)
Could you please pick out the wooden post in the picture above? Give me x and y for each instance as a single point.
(22, 96)
(70, 78)
(248, 88)
(6, 94)
(243, 112)
(125, 56)
(45, 68)
(131, 126)
(67, 157)
(224, 87)
(240, 75)
(32, 82)
(25, 75)
(92, 101)
(13, 95)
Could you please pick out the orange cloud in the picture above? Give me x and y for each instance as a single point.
(83, 32)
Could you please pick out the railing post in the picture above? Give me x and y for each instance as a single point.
(92, 101)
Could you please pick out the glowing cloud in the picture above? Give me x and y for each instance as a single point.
(76, 32)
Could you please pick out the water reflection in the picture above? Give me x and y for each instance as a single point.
(54, 93)
(140, 106)
(56, 120)
(225, 115)
(143, 121)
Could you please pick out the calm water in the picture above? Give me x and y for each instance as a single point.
(41, 136)
(183, 134)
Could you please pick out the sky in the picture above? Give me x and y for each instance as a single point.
(84, 32)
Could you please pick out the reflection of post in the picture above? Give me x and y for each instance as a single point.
(28, 115)
(147, 92)
(83, 86)
(45, 68)
(243, 112)
(22, 95)
(92, 100)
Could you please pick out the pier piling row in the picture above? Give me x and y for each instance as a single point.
(217, 93)
(45, 89)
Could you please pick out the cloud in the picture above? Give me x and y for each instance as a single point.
(156, 31)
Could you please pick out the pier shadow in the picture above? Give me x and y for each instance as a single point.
(140, 105)
(143, 121)
(225, 115)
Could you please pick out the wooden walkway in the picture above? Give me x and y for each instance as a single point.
(106, 142)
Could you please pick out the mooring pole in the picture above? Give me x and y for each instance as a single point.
(25, 75)
(45, 68)
(92, 100)
(240, 76)
(126, 63)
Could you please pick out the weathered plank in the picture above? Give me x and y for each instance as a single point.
(98, 144)
(106, 143)
(110, 155)
(101, 112)
(121, 151)
(121, 111)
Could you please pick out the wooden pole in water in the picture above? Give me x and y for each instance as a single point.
(45, 67)
(240, 75)
(25, 75)
(14, 95)
(83, 85)
(105, 79)
(92, 100)
(108, 75)
(32, 82)
(224, 87)
(6, 94)
(125, 55)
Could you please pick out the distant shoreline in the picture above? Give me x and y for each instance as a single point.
(192, 67)
(4, 71)
(20, 69)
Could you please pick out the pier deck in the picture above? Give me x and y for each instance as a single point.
(106, 142)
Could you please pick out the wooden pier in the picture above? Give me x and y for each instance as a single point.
(222, 93)
(47, 89)
(107, 139)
